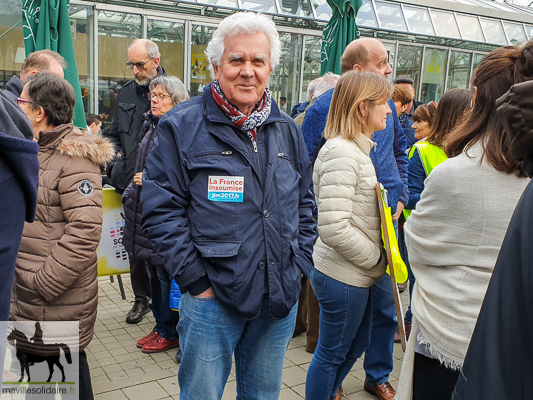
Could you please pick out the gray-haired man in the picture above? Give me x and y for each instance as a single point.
(126, 134)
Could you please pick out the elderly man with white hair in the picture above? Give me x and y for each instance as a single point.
(226, 201)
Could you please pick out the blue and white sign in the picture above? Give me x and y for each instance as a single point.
(226, 188)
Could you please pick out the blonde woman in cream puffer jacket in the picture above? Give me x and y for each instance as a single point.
(348, 256)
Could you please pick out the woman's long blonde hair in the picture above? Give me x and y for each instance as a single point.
(354, 88)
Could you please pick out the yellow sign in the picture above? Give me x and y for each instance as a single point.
(112, 256)
(199, 66)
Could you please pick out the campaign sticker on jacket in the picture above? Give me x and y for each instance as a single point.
(226, 188)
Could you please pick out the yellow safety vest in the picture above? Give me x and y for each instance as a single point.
(431, 156)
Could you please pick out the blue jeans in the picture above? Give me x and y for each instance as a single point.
(210, 334)
(405, 257)
(166, 320)
(378, 356)
(345, 317)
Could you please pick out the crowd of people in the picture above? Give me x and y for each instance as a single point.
(269, 224)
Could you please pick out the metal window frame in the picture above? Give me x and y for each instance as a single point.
(377, 14)
(447, 70)
(458, 25)
(96, 79)
(405, 19)
(482, 30)
(144, 26)
(525, 30)
(505, 32)
(432, 21)
(419, 90)
(187, 43)
(302, 60)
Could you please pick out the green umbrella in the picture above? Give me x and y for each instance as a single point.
(46, 25)
(340, 30)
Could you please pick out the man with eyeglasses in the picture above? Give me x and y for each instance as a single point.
(126, 134)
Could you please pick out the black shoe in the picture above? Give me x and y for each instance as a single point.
(178, 355)
(135, 315)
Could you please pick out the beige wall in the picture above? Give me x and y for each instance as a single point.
(8, 48)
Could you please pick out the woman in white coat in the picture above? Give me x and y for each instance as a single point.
(348, 256)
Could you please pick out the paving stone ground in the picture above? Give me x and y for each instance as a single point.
(121, 371)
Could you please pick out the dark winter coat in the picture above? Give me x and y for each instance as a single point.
(135, 241)
(243, 249)
(13, 88)
(19, 180)
(499, 361)
(126, 131)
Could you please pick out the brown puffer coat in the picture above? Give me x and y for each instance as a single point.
(56, 276)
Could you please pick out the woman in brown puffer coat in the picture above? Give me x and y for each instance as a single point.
(56, 276)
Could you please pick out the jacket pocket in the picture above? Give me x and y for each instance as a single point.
(125, 117)
(215, 249)
(300, 261)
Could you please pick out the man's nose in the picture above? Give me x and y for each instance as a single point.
(247, 71)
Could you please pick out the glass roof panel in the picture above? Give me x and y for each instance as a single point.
(391, 16)
(515, 32)
(445, 24)
(494, 31)
(300, 8)
(366, 16)
(470, 28)
(529, 31)
(220, 3)
(418, 19)
(323, 10)
(259, 5)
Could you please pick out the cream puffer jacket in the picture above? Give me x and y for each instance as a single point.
(349, 248)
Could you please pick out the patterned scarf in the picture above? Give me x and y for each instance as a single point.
(249, 123)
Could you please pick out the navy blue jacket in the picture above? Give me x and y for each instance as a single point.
(417, 176)
(298, 109)
(135, 241)
(239, 247)
(389, 156)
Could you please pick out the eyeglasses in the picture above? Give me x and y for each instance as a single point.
(139, 65)
(21, 101)
(159, 97)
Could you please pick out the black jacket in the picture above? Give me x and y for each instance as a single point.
(126, 131)
(135, 241)
(499, 361)
(14, 88)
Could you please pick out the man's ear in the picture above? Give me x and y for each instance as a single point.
(358, 68)
(156, 61)
(215, 69)
(404, 107)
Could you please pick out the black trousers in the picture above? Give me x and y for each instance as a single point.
(85, 388)
(432, 380)
(140, 279)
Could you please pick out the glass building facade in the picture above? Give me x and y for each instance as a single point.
(438, 44)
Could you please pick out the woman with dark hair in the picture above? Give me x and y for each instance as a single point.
(454, 235)
(423, 119)
(165, 93)
(426, 155)
(56, 277)
(504, 327)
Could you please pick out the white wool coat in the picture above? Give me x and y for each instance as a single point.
(349, 245)
(453, 240)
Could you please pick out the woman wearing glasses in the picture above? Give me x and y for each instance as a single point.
(165, 93)
(455, 233)
(56, 277)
